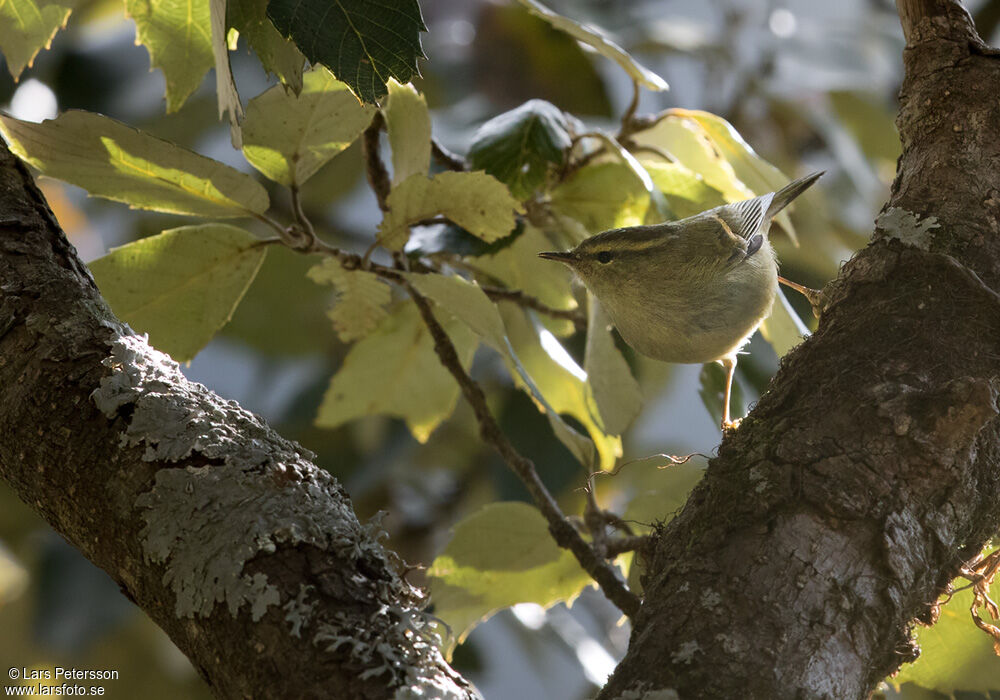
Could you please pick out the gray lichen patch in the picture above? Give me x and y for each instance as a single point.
(899, 224)
(206, 522)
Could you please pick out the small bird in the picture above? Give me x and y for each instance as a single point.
(689, 291)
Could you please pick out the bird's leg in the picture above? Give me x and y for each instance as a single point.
(813, 296)
(730, 364)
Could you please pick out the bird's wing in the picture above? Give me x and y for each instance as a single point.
(747, 218)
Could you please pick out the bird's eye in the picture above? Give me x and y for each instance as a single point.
(605, 257)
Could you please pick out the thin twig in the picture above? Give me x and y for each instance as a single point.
(562, 530)
(631, 543)
(628, 118)
(575, 316)
(378, 176)
(300, 214)
(447, 159)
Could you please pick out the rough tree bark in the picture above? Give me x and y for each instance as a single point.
(833, 517)
(224, 533)
(869, 472)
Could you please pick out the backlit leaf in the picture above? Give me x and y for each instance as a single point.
(277, 54)
(115, 161)
(602, 196)
(180, 286)
(783, 328)
(225, 86)
(361, 299)
(394, 371)
(499, 556)
(408, 124)
(616, 392)
(475, 201)
(595, 38)
(686, 192)
(955, 655)
(178, 36)
(27, 27)
(364, 42)
(288, 137)
(520, 147)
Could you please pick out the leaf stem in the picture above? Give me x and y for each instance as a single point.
(375, 170)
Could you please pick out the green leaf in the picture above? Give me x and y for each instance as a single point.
(602, 196)
(180, 286)
(288, 137)
(394, 371)
(361, 300)
(475, 201)
(593, 37)
(277, 54)
(615, 390)
(519, 267)
(364, 42)
(712, 390)
(115, 161)
(499, 556)
(470, 305)
(687, 141)
(408, 124)
(686, 191)
(955, 655)
(556, 377)
(752, 170)
(783, 328)
(27, 27)
(178, 36)
(521, 146)
(267, 322)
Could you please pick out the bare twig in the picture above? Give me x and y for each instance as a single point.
(632, 543)
(575, 316)
(562, 530)
(628, 118)
(378, 176)
(447, 159)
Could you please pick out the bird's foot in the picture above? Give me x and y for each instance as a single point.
(731, 424)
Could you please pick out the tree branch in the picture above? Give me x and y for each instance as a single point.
(838, 512)
(224, 533)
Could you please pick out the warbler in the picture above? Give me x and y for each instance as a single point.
(693, 290)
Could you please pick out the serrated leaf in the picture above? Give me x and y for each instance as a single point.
(595, 38)
(225, 86)
(177, 34)
(753, 171)
(361, 299)
(602, 196)
(394, 371)
(180, 286)
(955, 655)
(521, 146)
(408, 124)
(475, 201)
(277, 54)
(712, 390)
(27, 27)
(686, 191)
(115, 161)
(288, 137)
(783, 328)
(363, 42)
(615, 390)
(500, 556)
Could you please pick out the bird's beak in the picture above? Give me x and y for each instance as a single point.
(568, 257)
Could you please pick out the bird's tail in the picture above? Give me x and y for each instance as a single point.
(784, 196)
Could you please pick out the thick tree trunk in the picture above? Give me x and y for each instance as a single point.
(224, 533)
(870, 471)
